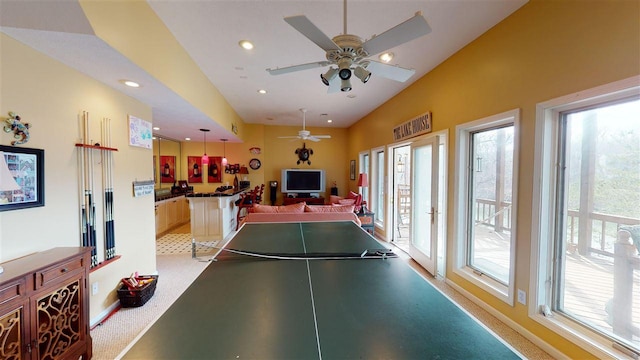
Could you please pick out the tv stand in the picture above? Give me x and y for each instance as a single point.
(308, 200)
(303, 195)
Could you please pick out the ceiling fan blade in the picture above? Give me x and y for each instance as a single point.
(308, 29)
(392, 72)
(289, 69)
(413, 28)
(288, 137)
(312, 138)
(322, 136)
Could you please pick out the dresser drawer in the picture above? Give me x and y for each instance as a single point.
(47, 276)
(12, 291)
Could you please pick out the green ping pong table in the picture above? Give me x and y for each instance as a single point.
(313, 291)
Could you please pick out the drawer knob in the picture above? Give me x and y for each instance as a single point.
(64, 270)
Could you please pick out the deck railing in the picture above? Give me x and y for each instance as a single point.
(487, 214)
(601, 235)
(606, 232)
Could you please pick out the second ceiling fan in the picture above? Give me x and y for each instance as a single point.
(305, 134)
(348, 54)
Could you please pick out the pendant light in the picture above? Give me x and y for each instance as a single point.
(205, 158)
(224, 157)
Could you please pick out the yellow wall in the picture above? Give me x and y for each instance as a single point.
(276, 154)
(544, 50)
(50, 96)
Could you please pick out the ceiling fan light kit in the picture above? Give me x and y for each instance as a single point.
(363, 74)
(345, 85)
(349, 53)
(345, 72)
(329, 75)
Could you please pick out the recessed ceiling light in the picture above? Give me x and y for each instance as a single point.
(156, 128)
(262, 91)
(187, 139)
(386, 57)
(130, 83)
(153, 138)
(329, 120)
(246, 44)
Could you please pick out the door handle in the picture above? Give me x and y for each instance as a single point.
(433, 215)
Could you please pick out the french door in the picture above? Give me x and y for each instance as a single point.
(425, 215)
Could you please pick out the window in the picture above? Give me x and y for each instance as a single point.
(377, 185)
(586, 213)
(486, 162)
(364, 169)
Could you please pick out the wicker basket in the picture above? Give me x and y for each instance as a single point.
(137, 297)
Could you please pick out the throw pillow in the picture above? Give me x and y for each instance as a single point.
(329, 208)
(347, 201)
(284, 209)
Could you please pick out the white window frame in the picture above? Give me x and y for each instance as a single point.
(365, 168)
(542, 224)
(373, 182)
(461, 213)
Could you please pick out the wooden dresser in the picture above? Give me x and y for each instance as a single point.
(44, 305)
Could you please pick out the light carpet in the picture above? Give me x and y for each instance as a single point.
(176, 273)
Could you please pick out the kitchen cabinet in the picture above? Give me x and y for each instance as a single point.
(171, 213)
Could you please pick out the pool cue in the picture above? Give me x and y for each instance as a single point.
(90, 205)
(81, 185)
(108, 184)
(105, 195)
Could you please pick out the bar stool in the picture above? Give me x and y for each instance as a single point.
(246, 201)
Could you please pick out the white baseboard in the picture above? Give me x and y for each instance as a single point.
(510, 323)
(104, 314)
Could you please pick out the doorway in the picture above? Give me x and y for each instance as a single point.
(401, 168)
(420, 202)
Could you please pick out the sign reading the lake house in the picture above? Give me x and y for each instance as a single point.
(419, 125)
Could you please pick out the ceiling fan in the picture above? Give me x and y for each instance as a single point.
(305, 134)
(347, 54)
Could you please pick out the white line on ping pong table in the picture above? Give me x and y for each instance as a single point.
(313, 303)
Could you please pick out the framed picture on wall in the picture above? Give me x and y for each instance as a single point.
(140, 134)
(167, 169)
(352, 170)
(194, 169)
(214, 170)
(22, 178)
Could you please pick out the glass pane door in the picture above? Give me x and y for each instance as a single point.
(424, 201)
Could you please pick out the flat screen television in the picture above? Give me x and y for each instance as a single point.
(303, 181)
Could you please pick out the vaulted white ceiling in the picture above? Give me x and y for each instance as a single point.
(210, 31)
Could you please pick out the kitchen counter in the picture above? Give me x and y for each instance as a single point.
(230, 192)
(213, 216)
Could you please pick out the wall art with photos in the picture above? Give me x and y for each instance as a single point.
(27, 168)
(140, 133)
(194, 169)
(214, 170)
(167, 169)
